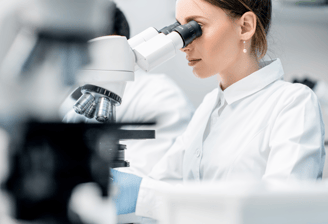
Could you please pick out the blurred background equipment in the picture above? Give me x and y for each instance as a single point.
(47, 46)
(48, 159)
(38, 63)
(53, 158)
(43, 44)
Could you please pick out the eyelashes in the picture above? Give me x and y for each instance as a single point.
(200, 24)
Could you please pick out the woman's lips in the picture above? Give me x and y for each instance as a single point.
(193, 62)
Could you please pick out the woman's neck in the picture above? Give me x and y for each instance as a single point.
(237, 71)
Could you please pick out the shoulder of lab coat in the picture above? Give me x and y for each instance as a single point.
(297, 137)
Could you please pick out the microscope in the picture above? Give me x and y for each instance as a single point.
(103, 80)
(43, 57)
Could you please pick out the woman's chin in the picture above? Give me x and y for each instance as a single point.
(202, 74)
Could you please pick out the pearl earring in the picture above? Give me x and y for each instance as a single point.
(245, 51)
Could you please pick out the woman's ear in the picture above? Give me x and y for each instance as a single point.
(248, 25)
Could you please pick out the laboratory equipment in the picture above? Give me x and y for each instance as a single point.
(44, 43)
(53, 158)
(103, 80)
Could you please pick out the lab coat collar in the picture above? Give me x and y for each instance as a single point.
(270, 72)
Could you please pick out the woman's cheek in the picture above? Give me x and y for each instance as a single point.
(210, 46)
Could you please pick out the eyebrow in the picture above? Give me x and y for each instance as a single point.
(190, 18)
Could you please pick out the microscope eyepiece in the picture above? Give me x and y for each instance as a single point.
(189, 32)
(168, 29)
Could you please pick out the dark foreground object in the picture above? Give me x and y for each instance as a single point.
(50, 159)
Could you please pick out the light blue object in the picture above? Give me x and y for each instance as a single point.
(126, 198)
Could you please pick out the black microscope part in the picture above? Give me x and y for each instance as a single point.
(97, 89)
(306, 81)
(168, 29)
(189, 32)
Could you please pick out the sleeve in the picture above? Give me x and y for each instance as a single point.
(168, 171)
(297, 138)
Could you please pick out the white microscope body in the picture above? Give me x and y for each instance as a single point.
(114, 60)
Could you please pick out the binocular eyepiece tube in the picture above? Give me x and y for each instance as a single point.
(168, 29)
(189, 32)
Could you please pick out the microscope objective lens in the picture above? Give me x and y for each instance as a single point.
(83, 103)
(90, 112)
(103, 109)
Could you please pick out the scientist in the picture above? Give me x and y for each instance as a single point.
(254, 126)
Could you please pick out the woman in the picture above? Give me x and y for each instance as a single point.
(253, 126)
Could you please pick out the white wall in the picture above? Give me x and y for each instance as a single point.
(299, 38)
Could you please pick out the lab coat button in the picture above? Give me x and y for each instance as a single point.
(198, 153)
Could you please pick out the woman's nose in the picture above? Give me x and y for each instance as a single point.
(189, 47)
(185, 49)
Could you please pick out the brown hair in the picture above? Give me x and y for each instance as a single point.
(261, 8)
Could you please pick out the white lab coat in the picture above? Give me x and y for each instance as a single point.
(261, 127)
(151, 97)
